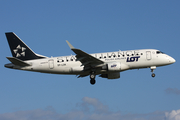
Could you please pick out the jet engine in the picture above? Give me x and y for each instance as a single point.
(115, 67)
(113, 70)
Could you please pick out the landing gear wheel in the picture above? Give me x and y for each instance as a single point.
(92, 76)
(92, 81)
(153, 75)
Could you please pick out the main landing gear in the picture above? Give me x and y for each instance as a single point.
(92, 77)
(152, 70)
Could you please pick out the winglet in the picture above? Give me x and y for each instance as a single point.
(69, 44)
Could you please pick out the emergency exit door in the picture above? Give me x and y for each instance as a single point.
(51, 64)
(148, 55)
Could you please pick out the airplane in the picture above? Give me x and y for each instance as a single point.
(106, 65)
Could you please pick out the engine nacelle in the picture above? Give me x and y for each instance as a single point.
(114, 66)
(114, 75)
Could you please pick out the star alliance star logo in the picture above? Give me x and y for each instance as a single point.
(19, 51)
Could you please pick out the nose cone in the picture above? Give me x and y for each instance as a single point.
(172, 60)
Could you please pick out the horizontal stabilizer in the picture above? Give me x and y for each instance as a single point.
(16, 61)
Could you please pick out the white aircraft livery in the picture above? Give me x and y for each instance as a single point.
(106, 65)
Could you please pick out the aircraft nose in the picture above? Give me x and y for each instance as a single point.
(171, 60)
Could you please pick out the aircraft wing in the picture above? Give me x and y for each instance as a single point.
(85, 58)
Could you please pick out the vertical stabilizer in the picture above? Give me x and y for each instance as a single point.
(19, 49)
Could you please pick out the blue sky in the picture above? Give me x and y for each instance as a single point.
(93, 26)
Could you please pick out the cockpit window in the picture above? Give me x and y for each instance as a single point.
(159, 52)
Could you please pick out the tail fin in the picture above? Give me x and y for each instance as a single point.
(19, 49)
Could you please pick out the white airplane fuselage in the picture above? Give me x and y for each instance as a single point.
(133, 59)
(106, 65)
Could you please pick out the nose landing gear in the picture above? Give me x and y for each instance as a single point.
(152, 70)
(153, 75)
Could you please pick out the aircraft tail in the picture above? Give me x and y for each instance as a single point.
(19, 49)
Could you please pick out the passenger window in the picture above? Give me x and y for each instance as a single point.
(60, 60)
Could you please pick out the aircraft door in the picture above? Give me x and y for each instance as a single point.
(51, 64)
(148, 55)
